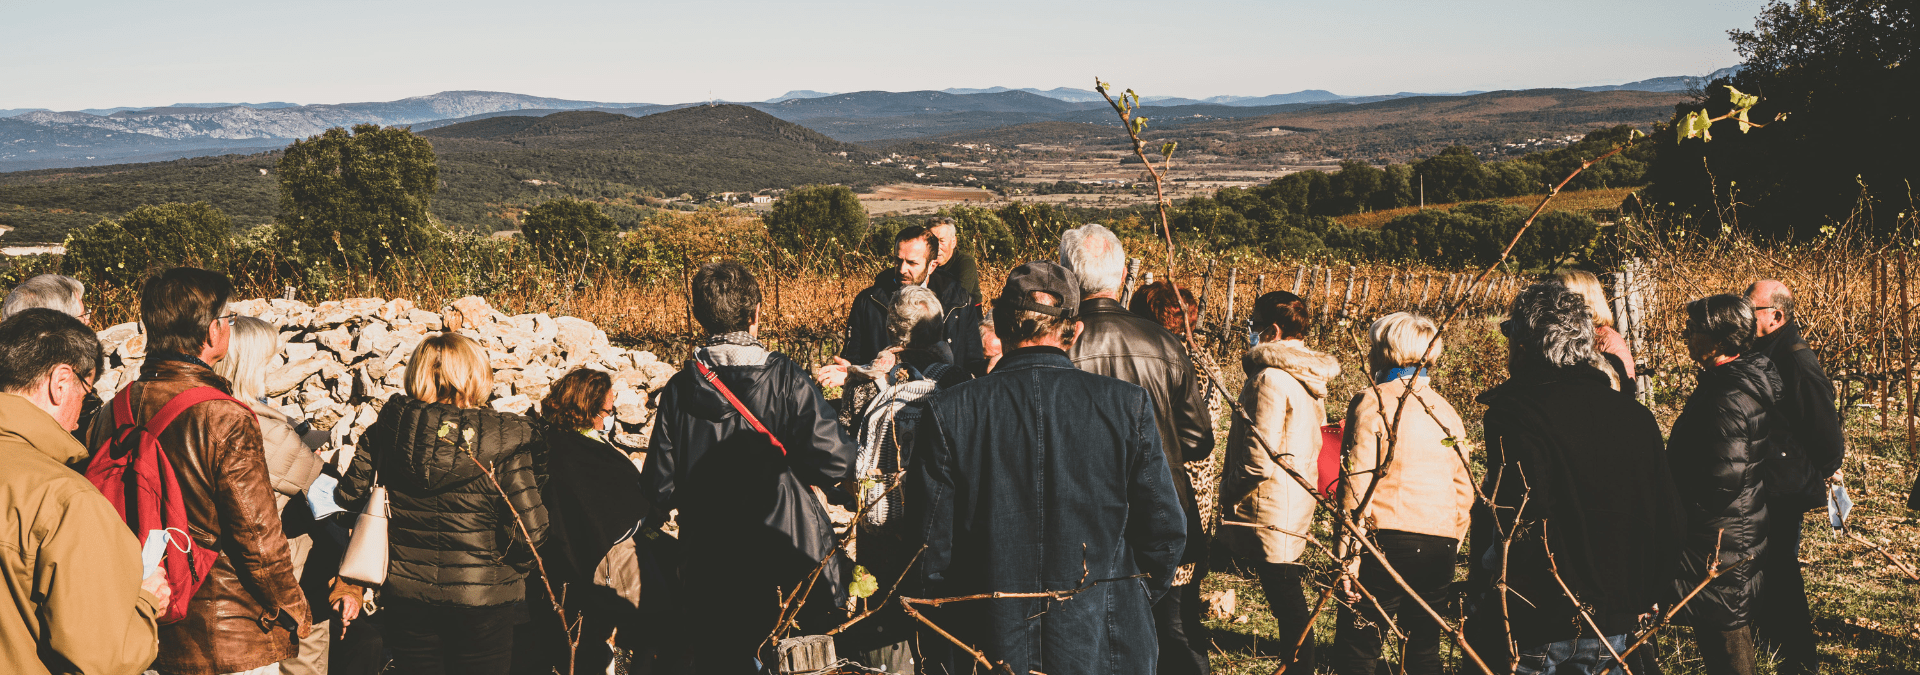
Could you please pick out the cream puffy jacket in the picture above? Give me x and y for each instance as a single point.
(1285, 396)
(1426, 489)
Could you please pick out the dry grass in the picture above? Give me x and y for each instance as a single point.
(1580, 201)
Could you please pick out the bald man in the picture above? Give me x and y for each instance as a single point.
(1793, 488)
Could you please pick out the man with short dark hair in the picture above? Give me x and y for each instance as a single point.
(71, 564)
(250, 610)
(917, 261)
(740, 440)
(1794, 487)
(1043, 477)
(51, 291)
(1136, 349)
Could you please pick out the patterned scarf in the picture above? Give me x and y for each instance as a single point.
(736, 338)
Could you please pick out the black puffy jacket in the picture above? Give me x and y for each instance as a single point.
(453, 539)
(1715, 450)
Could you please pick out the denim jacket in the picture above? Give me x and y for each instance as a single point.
(1042, 477)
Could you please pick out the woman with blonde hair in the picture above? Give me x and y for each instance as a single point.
(1417, 506)
(1609, 345)
(455, 581)
(292, 467)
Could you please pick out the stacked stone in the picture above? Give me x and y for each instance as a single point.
(342, 360)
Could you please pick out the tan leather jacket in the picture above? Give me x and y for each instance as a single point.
(250, 608)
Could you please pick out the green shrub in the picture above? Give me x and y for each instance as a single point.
(149, 238)
(567, 233)
(818, 222)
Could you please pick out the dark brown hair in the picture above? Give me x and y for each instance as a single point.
(1282, 309)
(178, 305)
(724, 297)
(1156, 301)
(36, 340)
(575, 399)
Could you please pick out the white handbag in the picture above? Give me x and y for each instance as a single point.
(365, 562)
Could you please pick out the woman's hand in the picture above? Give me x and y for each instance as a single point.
(158, 586)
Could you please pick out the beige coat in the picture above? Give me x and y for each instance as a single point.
(67, 560)
(1285, 396)
(1427, 488)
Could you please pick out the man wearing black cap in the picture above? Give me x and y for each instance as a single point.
(1042, 477)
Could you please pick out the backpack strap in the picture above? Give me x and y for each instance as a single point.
(180, 403)
(738, 407)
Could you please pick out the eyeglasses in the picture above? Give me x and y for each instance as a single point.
(90, 404)
(227, 317)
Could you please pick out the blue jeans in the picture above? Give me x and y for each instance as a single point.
(1571, 657)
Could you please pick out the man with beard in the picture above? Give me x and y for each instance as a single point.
(916, 254)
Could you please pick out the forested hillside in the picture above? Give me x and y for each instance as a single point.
(488, 168)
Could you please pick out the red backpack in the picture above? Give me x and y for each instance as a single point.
(138, 479)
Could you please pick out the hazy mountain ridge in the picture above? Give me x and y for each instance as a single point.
(81, 138)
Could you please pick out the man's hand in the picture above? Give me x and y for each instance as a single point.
(1838, 478)
(833, 375)
(158, 586)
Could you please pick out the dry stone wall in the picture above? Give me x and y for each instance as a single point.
(342, 360)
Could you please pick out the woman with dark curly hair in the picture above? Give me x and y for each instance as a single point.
(594, 506)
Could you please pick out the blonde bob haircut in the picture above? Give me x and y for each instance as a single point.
(1588, 286)
(250, 354)
(450, 368)
(1401, 338)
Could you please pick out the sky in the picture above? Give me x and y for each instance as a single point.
(106, 53)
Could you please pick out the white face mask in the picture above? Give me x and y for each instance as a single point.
(613, 423)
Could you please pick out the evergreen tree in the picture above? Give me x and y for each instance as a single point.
(360, 199)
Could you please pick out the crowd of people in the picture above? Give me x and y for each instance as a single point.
(1024, 460)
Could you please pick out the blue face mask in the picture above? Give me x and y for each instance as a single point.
(1253, 336)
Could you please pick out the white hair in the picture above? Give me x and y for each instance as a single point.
(52, 291)
(914, 307)
(1095, 255)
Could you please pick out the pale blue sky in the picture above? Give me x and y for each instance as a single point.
(70, 55)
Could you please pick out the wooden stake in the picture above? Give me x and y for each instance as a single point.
(1233, 279)
(1200, 304)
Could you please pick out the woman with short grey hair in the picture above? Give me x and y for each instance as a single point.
(1718, 443)
(51, 291)
(1578, 468)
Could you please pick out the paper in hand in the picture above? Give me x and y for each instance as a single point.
(1838, 506)
(320, 497)
(151, 552)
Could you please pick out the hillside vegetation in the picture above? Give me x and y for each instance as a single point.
(486, 166)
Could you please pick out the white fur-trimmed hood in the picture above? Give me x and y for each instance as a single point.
(1311, 368)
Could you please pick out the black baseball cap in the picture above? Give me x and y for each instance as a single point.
(1042, 276)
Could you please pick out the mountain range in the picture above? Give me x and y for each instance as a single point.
(39, 138)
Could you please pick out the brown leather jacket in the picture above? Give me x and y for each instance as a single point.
(248, 611)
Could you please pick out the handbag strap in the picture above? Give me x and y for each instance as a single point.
(739, 407)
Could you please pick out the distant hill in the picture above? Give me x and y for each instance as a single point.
(888, 104)
(800, 93)
(488, 167)
(197, 129)
(1397, 129)
(1677, 83)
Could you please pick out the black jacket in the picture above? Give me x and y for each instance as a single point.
(593, 499)
(454, 542)
(1118, 343)
(1715, 450)
(1807, 406)
(707, 461)
(1042, 477)
(867, 320)
(1587, 464)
